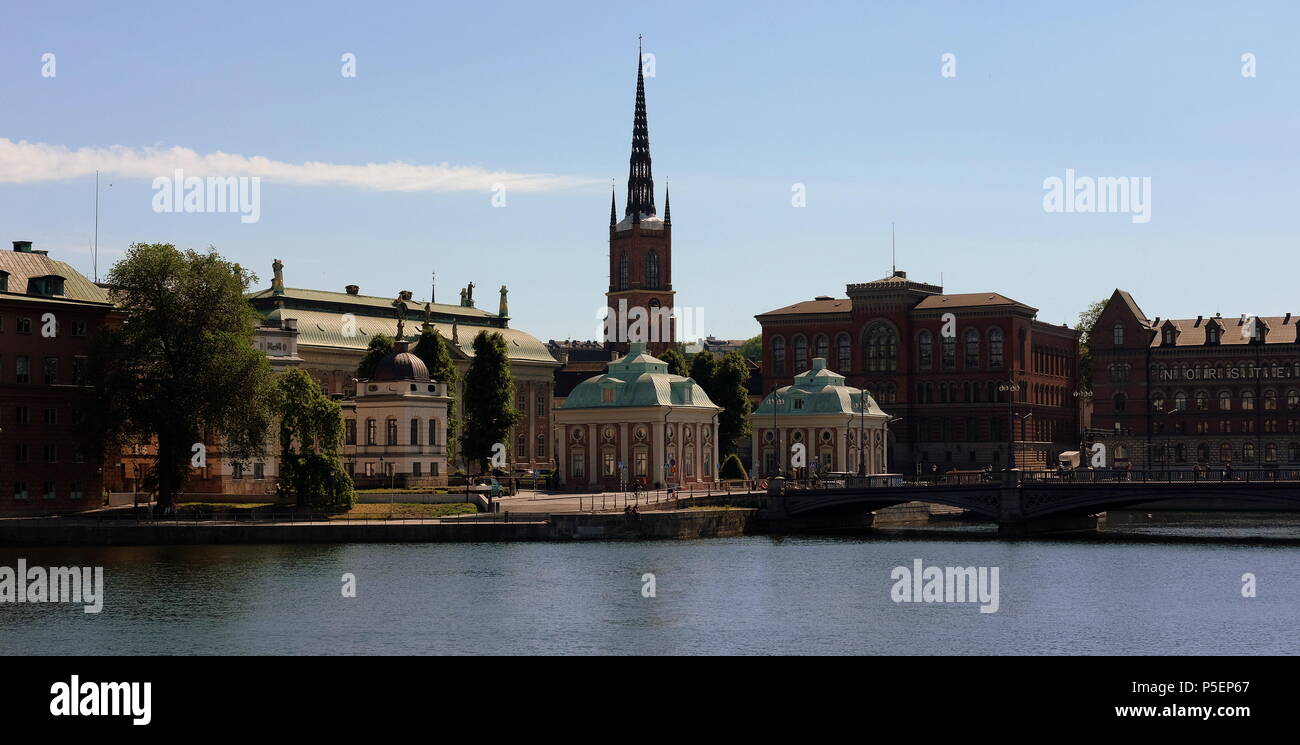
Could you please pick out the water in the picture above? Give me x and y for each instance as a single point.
(756, 595)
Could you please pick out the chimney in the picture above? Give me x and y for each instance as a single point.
(352, 289)
(1286, 320)
(1198, 322)
(290, 324)
(900, 274)
(23, 247)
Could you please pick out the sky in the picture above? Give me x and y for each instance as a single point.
(383, 177)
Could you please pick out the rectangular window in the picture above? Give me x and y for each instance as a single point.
(415, 431)
(371, 431)
(51, 416)
(75, 491)
(433, 469)
(78, 328)
(20, 415)
(51, 453)
(20, 453)
(350, 432)
(415, 469)
(24, 325)
(23, 370)
(609, 465)
(370, 469)
(48, 492)
(51, 370)
(690, 461)
(541, 446)
(78, 370)
(579, 460)
(391, 432)
(259, 471)
(540, 411)
(20, 490)
(237, 470)
(642, 464)
(708, 462)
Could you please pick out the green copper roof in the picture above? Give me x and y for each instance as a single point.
(324, 329)
(817, 392)
(637, 379)
(415, 308)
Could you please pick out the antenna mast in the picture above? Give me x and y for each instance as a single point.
(94, 250)
(893, 254)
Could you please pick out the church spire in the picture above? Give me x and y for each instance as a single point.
(613, 219)
(668, 208)
(640, 183)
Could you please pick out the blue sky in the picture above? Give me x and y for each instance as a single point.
(747, 100)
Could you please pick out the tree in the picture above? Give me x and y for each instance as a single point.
(752, 349)
(489, 407)
(730, 392)
(311, 443)
(1087, 323)
(433, 352)
(381, 345)
(732, 468)
(703, 369)
(181, 370)
(676, 362)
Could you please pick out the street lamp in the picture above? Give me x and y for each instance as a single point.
(776, 432)
(1084, 396)
(862, 433)
(1010, 387)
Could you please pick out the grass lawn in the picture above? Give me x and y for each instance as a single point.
(401, 509)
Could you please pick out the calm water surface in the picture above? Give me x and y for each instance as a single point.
(759, 595)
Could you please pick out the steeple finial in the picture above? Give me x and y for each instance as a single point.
(640, 182)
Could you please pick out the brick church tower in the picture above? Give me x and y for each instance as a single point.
(640, 251)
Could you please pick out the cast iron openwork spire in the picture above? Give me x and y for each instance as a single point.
(640, 184)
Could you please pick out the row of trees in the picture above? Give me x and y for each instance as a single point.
(723, 379)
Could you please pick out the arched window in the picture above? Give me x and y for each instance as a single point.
(1118, 338)
(1293, 399)
(800, 354)
(652, 269)
(1202, 401)
(1158, 401)
(1225, 452)
(521, 447)
(541, 447)
(845, 353)
(995, 348)
(822, 347)
(1293, 451)
(881, 348)
(1180, 401)
(1212, 334)
(948, 348)
(1270, 400)
(1202, 453)
(1225, 401)
(778, 356)
(1247, 400)
(1248, 452)
(972, 349)
(623, 272)
(1270, 452)
(925, 349)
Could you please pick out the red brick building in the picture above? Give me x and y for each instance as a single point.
(48, 315)
(947, 391)
(1175, 393)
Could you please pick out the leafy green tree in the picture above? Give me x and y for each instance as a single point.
(433, 351)
(1087, 323)
(752, 349)
(381, 345)
(489, 407)
(311, 444)
(676, 362)
(732, 468)
(704, 367)
(181, 370)
(729, 392)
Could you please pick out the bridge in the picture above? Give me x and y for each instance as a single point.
(1034, 501)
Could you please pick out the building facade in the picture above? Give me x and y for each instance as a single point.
(49, 313)
(637, 423)
(1208, 391)
(974, 379)
(838, 427)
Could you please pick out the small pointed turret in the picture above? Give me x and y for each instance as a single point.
(613, 217)
(640, 182)
(668, 209)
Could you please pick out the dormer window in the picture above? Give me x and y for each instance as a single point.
(1212, 333)
(1169, 337)
(47, 286)
(607, 395)
(4, 281)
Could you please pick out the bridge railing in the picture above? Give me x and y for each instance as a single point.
(1162, 475)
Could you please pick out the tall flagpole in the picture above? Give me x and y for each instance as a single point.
(94, 252)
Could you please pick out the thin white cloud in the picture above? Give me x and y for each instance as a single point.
(27, 162)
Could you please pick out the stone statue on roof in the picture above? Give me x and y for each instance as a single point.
(277, 281)
(503, 310)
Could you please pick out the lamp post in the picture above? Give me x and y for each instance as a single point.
(1009, 388)
(862, 432)
(1084, 396)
